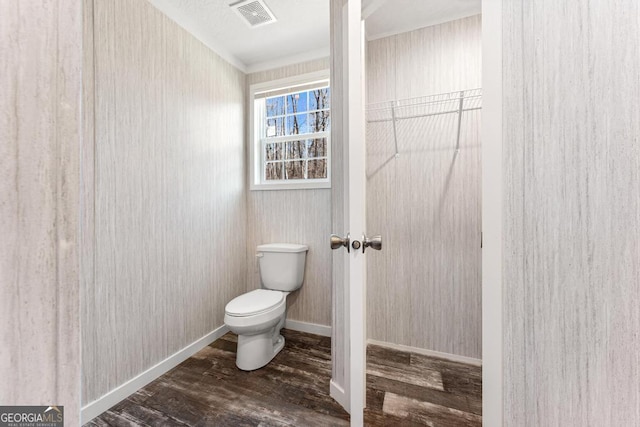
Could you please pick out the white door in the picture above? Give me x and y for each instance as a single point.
(354, 201)
(348, 198)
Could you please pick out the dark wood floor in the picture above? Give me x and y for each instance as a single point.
(208, 390)
(411, 389)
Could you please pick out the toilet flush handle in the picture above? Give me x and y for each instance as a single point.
(258, 256)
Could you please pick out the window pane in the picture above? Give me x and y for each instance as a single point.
(317, 147)
(275, 127)
(319, 122)
(273, 151)
(297, 124)
(294, 170)
(291, 147)
(319, 99)
(275, 106)
(317, 169)
(273, 171)
(297, 103)
(295, 150)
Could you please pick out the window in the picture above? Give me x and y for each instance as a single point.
(291, 133)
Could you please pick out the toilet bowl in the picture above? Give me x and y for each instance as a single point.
(258, 316)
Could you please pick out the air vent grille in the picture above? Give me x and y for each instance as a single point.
(254, 12)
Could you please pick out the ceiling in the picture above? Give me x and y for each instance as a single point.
(386, 18)
(301, 32)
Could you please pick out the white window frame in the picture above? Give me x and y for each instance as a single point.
(256, 153)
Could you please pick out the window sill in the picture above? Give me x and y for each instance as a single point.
(291, 186)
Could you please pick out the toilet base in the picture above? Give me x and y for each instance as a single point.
(255, 351)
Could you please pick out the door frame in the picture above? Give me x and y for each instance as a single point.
(492, 182)
(348, 212)
(492, 199)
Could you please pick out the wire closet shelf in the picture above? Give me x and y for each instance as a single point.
(425, 106)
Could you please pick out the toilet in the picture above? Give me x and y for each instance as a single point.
(258, 316)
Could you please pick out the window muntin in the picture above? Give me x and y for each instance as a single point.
(293, 131)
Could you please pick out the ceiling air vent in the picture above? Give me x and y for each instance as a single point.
(254, 12)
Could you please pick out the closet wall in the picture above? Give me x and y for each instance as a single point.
(424, 288)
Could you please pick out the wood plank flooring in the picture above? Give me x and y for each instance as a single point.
(293, 390)
(412, 389)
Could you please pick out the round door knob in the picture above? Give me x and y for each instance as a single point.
(374, 242)
(337, 241)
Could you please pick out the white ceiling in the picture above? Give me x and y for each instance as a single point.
(386, 18)
(301, 32)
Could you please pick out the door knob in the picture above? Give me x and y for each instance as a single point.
(374, 242)
(337, 241)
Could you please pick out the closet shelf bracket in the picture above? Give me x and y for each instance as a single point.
(460, 105)
(395, 130)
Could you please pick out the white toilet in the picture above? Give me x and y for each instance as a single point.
(258, 316)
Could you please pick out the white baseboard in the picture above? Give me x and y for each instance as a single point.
(311, 328)
(339, 395)
(100, 405)
(432, 353)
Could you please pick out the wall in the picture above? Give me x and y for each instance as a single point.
(571, 264)
(424, 288)
(41, 62)
(296, 216)
(164, 182)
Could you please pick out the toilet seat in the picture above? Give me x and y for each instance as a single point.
(254, 303)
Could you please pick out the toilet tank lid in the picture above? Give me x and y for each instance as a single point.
(282, 247)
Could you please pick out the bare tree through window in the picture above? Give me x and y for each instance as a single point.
(298, 124)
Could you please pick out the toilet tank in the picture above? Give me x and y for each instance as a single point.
(282, 265)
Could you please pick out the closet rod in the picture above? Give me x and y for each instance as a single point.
(430, 101)
(416, 116)
(449, 97)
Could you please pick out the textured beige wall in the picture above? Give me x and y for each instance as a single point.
(41, 63)
(166, 202)
(571, 260)
(296, 216)
(424, 288)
